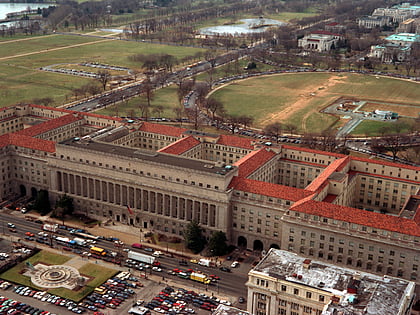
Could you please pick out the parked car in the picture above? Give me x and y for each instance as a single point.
(234, 264)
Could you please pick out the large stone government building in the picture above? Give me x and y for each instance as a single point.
(350, 211)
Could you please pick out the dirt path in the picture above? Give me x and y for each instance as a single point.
(23, 39)
(54, 49)
(303, 101)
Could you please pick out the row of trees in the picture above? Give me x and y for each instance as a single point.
(196, 241)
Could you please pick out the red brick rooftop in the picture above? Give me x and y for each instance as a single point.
(235, 141)
(268, 189)
(358, 216)
(27, 142)
(335, 166)
(50, 125)
(162, 129)
(180, 146)
(252, 161)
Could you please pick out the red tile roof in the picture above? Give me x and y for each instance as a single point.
(335, 166)
(330, 198)
(27, 142)
(268, 189)
(180, 146)
(358, 216)
(162, 129)
(386, 163)
(50, 125)
(290, 147)
(235, 141)
(253, 161)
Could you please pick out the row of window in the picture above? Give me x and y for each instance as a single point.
(353, 226)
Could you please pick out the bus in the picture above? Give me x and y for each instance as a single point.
(86, 236)
(98, 251)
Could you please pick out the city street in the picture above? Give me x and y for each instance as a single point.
(155, 280)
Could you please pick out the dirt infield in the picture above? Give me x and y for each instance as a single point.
(401, 109)
(304, 100)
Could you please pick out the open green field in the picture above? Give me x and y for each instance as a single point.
(167, 98)
(373, 128)
(297, 98)
(22, 81)
(97, 274)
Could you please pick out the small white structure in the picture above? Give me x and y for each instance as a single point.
(320, 41)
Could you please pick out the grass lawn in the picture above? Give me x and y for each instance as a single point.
(372, 128)
(38, 43)
(23, 85)
(46, 257)
(115, 52)
(21, 81)
(166, 97)
(98, 274)
(298, 98)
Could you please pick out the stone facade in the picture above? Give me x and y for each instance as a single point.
(350, 211)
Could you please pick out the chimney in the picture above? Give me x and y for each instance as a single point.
(306, 263)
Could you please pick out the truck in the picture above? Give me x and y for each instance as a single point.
(50, 227)
(64, 241)
(199, 277)
(204, 262)
(80, 241)
(141, 257)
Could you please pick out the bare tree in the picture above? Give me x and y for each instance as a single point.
(213, 105)
(193, 114)
(273, 130)
(179, 112)
(144, 110)
(103, 77)
(291, 128)
(158, 110)
(46, 101)
(234, 122)
(148, 91)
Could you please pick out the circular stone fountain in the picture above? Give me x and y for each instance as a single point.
(55, 276)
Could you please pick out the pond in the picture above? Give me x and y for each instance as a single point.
(246, 27)
(17, 7)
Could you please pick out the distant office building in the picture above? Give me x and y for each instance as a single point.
(397, 47)
(373, 21)
(284, 283)
(398, 13)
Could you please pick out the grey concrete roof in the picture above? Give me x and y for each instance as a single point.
(375, 294)
(144, 155)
